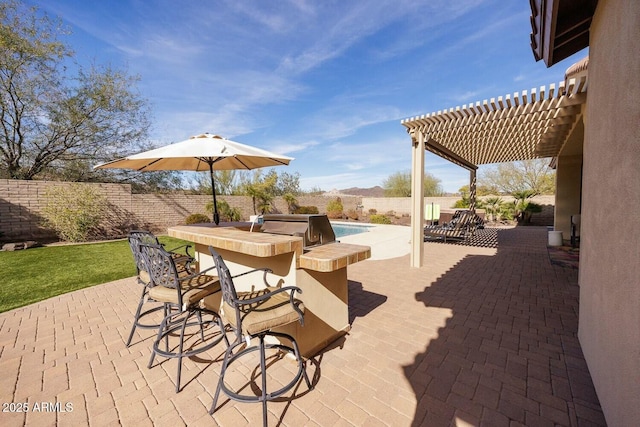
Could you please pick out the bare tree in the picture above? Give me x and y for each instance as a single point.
(528, 175)
(49, 119)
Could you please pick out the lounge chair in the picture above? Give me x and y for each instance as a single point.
(463, 225)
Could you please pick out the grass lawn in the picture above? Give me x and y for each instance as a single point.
(33, 275)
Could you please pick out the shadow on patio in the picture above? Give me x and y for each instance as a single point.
(509, 353)
(478, 336)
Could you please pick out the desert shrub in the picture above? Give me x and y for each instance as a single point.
(352, 214)
(373, 211)
(507, 212)
(196, 218)
(73, 211)
(226, 212)
(308, 210)
(493, 207)
(462, 204)
(335, 208)
(379, 219)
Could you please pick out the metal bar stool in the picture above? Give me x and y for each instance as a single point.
(254, 315)
(137, 237)
(184, 292)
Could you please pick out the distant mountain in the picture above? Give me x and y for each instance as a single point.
(376, 191)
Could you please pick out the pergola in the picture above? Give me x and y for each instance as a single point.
(523, 126)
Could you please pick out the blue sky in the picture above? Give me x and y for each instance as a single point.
(325, 82)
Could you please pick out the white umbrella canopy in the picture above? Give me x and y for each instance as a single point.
(204, 152)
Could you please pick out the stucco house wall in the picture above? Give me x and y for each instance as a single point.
(609, 328)
(568, 189)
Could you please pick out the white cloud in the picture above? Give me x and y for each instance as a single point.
(345, 116)
(329, 81)
(287, 148)
(468, 97)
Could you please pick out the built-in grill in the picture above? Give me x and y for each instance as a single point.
(316, 230)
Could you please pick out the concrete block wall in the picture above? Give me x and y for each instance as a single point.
(21, 203)
(402, 206)
(157, 211)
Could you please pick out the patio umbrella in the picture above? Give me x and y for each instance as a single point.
(204, 152)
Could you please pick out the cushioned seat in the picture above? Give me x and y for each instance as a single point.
(144, 277)
(182, 261)
(257, 314)
(275, 311)
(181, 293)
(193, 290)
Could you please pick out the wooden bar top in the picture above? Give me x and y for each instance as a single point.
(232, 239)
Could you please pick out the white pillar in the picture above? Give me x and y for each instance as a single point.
(417, 198)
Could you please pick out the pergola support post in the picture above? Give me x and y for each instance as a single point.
(417, 198)
(472, 190)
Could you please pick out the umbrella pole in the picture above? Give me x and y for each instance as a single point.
(216, 216)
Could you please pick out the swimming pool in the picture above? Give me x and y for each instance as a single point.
(342, 230)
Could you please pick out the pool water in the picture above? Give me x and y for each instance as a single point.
(342, 230)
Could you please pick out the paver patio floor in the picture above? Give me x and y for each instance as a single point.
(478, 336)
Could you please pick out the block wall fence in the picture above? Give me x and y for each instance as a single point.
(21, 204)
(402, 205)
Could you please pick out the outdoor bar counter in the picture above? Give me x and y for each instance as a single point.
(320, 272)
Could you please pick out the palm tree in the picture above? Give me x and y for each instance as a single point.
(525, 207)
(493, 206)
(292, 202)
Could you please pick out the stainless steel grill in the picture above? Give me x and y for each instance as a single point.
(316, 230)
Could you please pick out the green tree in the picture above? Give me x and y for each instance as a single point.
(262, 190)
(49, 118)
(226, 182)
(399, 185)
(508, 178)
(481, 190)
(288, 183)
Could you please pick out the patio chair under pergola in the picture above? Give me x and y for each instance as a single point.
(528, 125)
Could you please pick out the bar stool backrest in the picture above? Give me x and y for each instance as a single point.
(137, 237)
(229, 294)
(160, 266)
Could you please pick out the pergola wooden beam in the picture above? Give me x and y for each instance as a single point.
(523, 126)
(433, 146)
